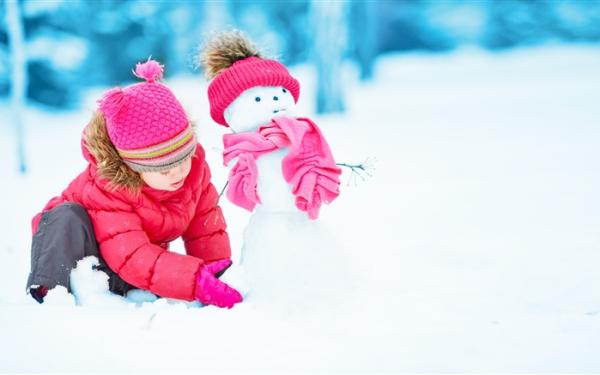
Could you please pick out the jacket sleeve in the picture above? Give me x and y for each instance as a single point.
(206, 236)
(127, 250)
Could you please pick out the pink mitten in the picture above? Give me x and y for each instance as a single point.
(212, 291)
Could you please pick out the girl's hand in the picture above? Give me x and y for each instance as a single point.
(212, 291)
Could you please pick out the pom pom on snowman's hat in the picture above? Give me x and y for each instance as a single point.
(224, 50)
(235, 65)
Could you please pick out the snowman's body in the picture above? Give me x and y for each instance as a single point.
(274, 191)
(287, 259)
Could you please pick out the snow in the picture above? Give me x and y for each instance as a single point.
(293, 265)
(474, 246)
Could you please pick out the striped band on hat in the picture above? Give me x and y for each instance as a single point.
(161, 156)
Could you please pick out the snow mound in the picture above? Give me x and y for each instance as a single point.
(291, 262)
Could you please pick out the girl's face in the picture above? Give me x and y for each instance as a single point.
(169, 180)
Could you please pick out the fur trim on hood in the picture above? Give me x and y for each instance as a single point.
(107, 159)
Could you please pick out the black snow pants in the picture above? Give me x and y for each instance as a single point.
(65, 235)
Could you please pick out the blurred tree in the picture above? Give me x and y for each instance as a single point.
(576, 20)
(364, 35)
(457, 22)
(4, 58)
(329, 27)
(279, 28)
(55, 54)
(403, 25)
(73, 44)
(523, 22)
(215, 17)
(120, 34)
(18, 72)
(290, 22)
(185, 25)
(513, 22)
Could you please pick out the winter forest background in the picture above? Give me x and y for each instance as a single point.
(52, 51)
(472, 244)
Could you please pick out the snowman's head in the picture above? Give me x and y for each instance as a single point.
(246, 90)
(256, 106)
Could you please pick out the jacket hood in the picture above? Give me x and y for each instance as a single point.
(99, 151)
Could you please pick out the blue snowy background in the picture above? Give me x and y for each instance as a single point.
(71, 45)
(56, 50)
(472, 246)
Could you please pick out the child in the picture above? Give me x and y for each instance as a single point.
(146, 184)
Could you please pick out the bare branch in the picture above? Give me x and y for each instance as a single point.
(223, 190)
(362, 170)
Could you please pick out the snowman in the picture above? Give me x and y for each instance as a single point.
(281, 169)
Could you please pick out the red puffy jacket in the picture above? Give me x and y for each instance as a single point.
(133, 231)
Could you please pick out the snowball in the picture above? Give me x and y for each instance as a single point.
(59, 296)
(90, 286)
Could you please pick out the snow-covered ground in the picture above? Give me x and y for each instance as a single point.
(475, 246)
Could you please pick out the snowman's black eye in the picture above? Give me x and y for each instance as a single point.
(284, 90)
(275, 98)
(257, 99)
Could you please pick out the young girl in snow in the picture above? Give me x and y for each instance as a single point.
(146, 184)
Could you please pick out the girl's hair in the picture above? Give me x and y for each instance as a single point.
(108, 161)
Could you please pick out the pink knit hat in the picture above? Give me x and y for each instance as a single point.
(146, 123)
(245, 74)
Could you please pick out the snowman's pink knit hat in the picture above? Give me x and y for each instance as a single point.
(245, 74)
(146, 123)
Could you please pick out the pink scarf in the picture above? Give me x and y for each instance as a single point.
(308, 166)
